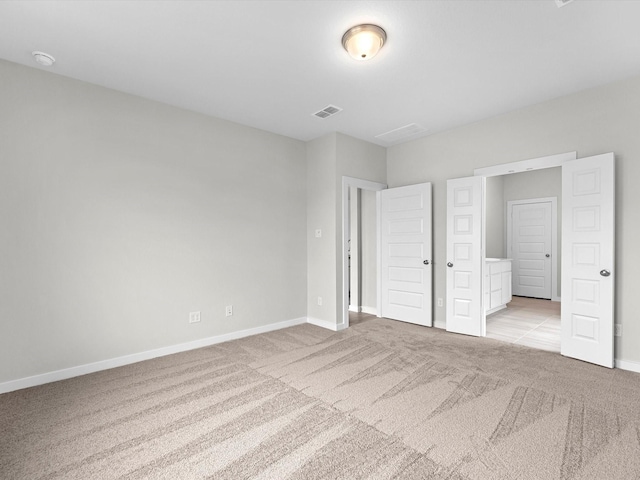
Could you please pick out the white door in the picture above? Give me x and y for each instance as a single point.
(406, 254)
(588, 259)
(531, 249)
(465, 256)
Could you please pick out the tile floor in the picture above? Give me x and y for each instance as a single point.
(527, 321)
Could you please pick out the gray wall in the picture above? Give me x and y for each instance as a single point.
(538, 184)
(359, 159)
(329, 158)
(119, 216)
(495, 220)
(599, 120)
(321, 214)
(364, 255)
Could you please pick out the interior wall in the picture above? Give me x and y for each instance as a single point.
(495, 220)
(119, 216)
(321, 210)
(595, 121)
(358, 159)
(542, 183)
(329, 158)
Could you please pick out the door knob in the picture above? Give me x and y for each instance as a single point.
(547, 255)
(605, 273)
(426, 262)
(449, 264)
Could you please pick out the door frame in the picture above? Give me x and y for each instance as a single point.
(539, 163)
(526, 165)
(348, 182)
(554, 236)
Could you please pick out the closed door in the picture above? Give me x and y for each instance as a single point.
(406, 254)
(465, 256)
(588, 266)
(531, 249)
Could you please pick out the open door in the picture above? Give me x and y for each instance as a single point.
(465, 256)
(588, 232)
(406, 254)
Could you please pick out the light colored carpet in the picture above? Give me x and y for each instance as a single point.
(381, 400)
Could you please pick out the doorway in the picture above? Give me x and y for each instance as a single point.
(521, 225)
(402, 251)
(588, 232)
(362, 252)
(349, 183)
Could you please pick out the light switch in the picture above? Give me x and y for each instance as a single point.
(318, 233)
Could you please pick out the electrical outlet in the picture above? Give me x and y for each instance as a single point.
(194, 317)
(440, 302)
(618, 329)
(228, 311)
(318, 233)
(319, 300)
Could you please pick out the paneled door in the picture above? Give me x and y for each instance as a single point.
(465, 256)
(530, 244)
(588, 230)
(406, 254)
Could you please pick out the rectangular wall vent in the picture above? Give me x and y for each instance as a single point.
(327, 111)
(401, 133)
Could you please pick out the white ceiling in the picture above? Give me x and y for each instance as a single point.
(271, 64)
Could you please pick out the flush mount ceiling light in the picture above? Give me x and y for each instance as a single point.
(364, 41)
(43, 59)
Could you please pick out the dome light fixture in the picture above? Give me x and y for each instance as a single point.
(43, 59)
(363, 42)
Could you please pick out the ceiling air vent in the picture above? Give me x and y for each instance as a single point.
(327, 111)
(562, 3)
(401, 133)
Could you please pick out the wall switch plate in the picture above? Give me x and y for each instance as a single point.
(194, 317)
(440, 302)
(318, 233)
(228, 311)
(319, 300)
(618, 331)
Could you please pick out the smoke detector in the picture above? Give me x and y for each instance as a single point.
(562, 3)
(43, 59)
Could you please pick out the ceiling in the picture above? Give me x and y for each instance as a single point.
(272, 64)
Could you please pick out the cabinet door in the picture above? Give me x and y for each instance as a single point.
(487, 289)
(496, 289)
(506, 287)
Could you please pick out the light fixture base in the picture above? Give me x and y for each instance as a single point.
(363, 42)
(43, 59)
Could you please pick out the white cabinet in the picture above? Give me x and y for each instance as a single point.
(497, 284)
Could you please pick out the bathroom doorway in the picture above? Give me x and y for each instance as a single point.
(523, 221)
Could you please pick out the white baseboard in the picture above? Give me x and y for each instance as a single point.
(57, 375)
(139, 357)
(326, 324)
(369, 310)
(628, 365)
(353, 308)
